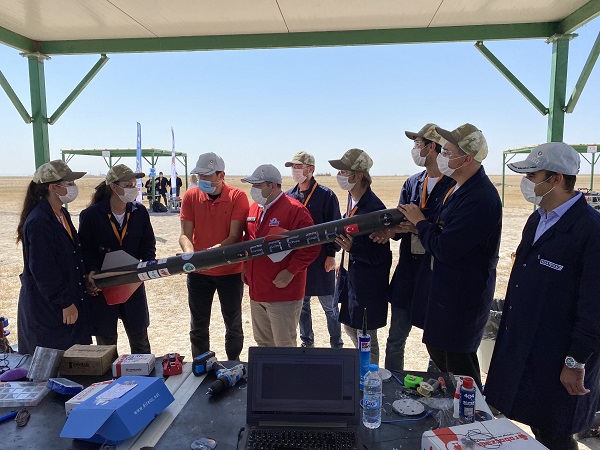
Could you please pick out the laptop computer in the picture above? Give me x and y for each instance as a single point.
(302, 393)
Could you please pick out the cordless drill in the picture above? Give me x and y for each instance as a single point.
(227, 378)
(204, 363)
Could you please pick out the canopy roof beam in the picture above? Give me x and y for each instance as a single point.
(12, 96)
(537, 104)
(78, 89)
(305, 39)
(583, 77)
(580, 17)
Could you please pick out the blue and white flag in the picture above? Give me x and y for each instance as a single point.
(138, 162)
(173, 168)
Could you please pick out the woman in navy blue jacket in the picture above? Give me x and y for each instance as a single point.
(115, 221)
(51, 312)
(367, 279)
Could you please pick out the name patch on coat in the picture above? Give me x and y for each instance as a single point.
(545, 262)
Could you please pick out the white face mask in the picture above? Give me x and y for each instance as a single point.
(344, 184)
(72, 192)
(256, 194)
(298, 175)
(442, 163)
(528, 190)
(129, 195)
(417, 158)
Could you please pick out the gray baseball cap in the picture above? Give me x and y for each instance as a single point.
(55, 171)
(354, 159)
(468, 138)
(265, 172)
(209, 163)
(553, 156)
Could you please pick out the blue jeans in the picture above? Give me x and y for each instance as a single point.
(333, 325)
(400, 327)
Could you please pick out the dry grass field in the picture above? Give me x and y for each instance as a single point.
(167, 297)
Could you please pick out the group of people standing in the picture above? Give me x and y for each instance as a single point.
(161, 188)
(545, 370)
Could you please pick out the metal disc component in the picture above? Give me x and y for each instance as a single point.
(408, 407)
(385, 374)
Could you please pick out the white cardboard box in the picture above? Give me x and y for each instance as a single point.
(141, 364)
(88, 392)
(491, 434)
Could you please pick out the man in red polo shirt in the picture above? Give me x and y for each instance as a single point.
(214, 214)
(277, 282)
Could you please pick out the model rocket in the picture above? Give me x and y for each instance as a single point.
(114, 274)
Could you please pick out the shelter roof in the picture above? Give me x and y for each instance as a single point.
(102, 26)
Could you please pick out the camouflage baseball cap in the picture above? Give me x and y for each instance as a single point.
(121, 172)
(469, 139)
(427, 132)
(265, 172)
(301, 158)
(55, 171)
(354, 159)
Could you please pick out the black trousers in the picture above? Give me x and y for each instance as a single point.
(457, 363)
(201, 290)
(555, 441)
(138, 342)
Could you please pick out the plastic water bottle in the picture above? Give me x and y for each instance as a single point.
(372, 398)
(467, 401)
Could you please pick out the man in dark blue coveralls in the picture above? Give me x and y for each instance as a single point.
(463, 239)
(409, 287)
(323, 205)
(545, 370)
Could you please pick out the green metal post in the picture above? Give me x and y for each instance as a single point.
(503, 175)
(592, 172)
(39, 113)
(558, 86)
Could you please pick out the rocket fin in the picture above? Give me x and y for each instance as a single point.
(119, 294)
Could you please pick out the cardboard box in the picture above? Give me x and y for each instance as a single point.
(119, 411)
(88, 359)
(133, 365)
(491, 434)
(88, 392)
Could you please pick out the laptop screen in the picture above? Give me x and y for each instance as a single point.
(303, 385)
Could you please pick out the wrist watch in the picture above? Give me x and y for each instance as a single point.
(571, 363)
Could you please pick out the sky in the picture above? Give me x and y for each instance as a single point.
(262, 106)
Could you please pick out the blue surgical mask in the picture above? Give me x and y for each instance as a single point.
(206, 186)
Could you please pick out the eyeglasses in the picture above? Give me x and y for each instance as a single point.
(346, 173)
(299, 166)
(65, 183)
(127, 184)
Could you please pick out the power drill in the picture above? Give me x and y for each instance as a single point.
(227, 378)
(204, 363)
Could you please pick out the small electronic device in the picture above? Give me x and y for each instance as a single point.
(172, 364)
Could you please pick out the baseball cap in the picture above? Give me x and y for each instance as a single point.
(427, 132)
(354, 159)
(209, 163)
(121, 172)
(55, 171)
(553, 156)
(265, 172)
(301, 158)
(468, 138)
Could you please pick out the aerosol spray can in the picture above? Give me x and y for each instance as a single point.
(364, 347)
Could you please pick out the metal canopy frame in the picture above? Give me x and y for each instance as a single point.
(150, 155)
(558, 33)
(582, 149)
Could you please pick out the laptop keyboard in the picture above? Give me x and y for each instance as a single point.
(273, 439)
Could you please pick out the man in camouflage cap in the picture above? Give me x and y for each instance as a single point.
(409, 287)
(463, 239)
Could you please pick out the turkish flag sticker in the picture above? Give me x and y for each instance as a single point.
(351, 229)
